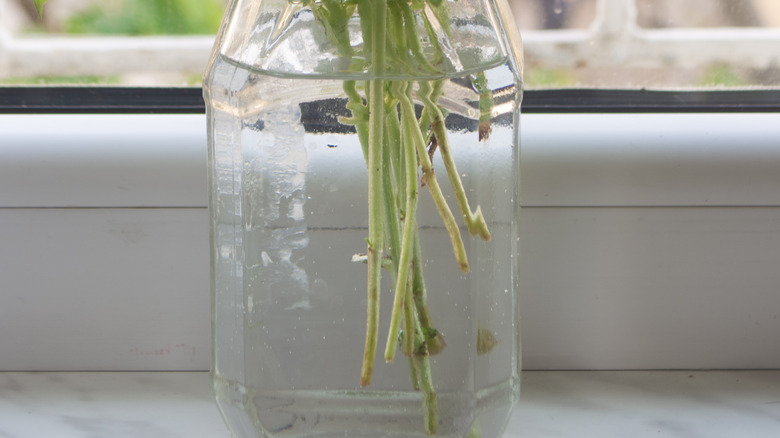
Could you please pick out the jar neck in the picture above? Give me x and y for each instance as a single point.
(332, 38)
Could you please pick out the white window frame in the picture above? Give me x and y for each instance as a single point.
(649, 241)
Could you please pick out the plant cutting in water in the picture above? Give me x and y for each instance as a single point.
(399, 148)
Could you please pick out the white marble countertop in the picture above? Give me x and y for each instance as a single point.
(601, 404)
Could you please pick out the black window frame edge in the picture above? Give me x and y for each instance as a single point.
(189, 100)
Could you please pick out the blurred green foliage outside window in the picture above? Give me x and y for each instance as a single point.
(148, 17)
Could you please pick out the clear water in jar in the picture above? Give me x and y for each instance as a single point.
(289, 212)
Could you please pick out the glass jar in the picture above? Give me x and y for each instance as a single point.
(363, 171)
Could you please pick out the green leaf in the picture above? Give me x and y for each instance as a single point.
(39, 6)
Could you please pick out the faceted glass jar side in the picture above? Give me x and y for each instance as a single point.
(289, 224)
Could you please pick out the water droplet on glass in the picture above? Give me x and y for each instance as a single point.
(558, 6)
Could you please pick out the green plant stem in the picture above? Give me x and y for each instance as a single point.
(420, 299)
(409, 324)
(474, 220)
(480, 83)
(393, 153)
(430, 399)
(392, 143)
(410, 293)
(378, 11)
(419, 293)
(359, 117)
(393, 169)
(39, 6)
(425, 117)
(410, 27)
(407, 111)
(422, 364)
(407, 244)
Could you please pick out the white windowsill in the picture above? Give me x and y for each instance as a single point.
(555, 404)
(648, 241)
(583, 160)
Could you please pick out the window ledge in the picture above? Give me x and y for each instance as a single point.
(553, 403)
(648, 240)
(596, 160)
